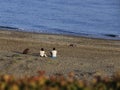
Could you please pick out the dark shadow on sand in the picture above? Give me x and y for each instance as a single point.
(35, 54)
(17, 52)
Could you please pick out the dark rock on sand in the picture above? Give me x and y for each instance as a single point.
(26, 51)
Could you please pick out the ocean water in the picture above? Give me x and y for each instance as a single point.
(92, 18)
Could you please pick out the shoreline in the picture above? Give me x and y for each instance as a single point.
(92, 36)
(87, 56)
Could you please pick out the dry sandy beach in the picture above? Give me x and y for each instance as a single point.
(87, 57)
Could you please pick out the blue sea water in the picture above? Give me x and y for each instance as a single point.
(94, 18)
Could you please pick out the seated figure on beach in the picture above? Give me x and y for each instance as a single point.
(42, 53)
(54, 53)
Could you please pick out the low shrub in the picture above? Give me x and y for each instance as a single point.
(59, 82)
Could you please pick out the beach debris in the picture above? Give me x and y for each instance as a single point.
(25, 51)
(72, 45)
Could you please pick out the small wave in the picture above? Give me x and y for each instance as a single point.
(111, 35)
(58, 30)
(7, 27)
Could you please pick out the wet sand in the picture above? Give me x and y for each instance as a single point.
(86, 57)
